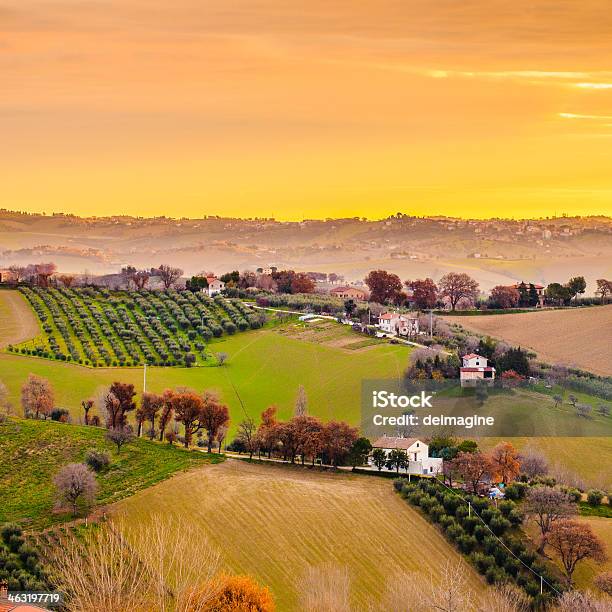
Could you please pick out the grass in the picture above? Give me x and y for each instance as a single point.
(273, 521)
(587, 509)
(264, 367)
(31, 452)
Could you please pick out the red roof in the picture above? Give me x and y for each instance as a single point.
(471, 356)
(389, 315)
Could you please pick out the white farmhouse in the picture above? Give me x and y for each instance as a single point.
(419, 461)
(400, 324)
(214, 286)
(475, 368)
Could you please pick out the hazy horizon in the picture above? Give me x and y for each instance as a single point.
(298, 219)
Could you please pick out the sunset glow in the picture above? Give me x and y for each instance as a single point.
(306, 109)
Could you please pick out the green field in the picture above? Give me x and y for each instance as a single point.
(31, 452)
(266, 367)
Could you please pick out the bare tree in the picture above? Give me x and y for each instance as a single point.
(325, 588)
(75, 483)
(6, 407)
(138, 569)
(533, 463)
(577, 601)
(169, 275)
(545, 506)
(604, 582)
(221, 357)
(120, 436)
(140, 278)
(301, 402)
(87, 406)
(247, 433)
(66, 279)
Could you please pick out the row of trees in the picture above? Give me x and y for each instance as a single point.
(453, 287)
(302, 437)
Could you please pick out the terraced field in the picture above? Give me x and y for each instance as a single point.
(98, 327)
(273, 521)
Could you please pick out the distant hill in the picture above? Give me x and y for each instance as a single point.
(494, 251)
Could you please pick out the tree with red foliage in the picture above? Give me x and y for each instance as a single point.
(384, 286)
(268, 430)
(338, 438)
(166, 412)
(150, 405)
(503, 296)
(511, 379)
(118, 402)
(214, 415)
(302, 283)
(574, 542)
(424, 292)
(457, 286)
(505, 461)
(188, 409)
(473, 468)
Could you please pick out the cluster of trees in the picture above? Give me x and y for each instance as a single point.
(21, 566)
(138, 279)
(279, 281)
(302, 437)
(475, 468)
(35, 274)
(453, 288)
(563, 294)
(164, 415)
(475, 528)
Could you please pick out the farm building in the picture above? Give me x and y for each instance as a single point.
(419, 461)
(475, 368)
(400, 324)
(349, 293)
(214, 286)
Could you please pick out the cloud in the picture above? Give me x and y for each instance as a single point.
(590, 117)
(593, 85)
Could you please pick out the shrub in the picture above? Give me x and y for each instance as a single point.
(97, 460)
(595, 497)
(499, 524)
(60, 414)
(516, 490)
(466, 543)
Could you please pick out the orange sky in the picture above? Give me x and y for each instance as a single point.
(306, 109)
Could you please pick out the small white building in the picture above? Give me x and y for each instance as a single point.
(419, 461)
(475, 368)
(214, 286)
(400, 324)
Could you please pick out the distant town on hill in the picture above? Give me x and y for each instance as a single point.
(492, 250)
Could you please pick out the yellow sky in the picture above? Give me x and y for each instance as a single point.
(306, 109)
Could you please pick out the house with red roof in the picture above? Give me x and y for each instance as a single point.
(475, 368)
